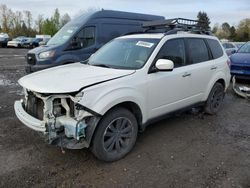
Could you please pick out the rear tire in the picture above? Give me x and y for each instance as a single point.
(215, 99)
(115, 135)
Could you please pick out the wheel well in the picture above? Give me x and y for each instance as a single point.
(134, 108)
(221, 81)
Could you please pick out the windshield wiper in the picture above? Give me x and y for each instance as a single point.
(101, 65)
(86, 62)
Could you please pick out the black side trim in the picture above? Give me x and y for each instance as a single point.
(210, 54)
(81, 107)
(167, 115)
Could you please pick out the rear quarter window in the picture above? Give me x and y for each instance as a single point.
(215, 48)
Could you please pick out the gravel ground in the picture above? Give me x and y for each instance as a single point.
(186, 150)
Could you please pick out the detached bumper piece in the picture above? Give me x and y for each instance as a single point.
(27, 119)
(242, 91)
(64, 142)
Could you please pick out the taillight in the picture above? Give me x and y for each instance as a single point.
(229, 63)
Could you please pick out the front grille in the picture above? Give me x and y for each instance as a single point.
(35, 106)
(31, 59)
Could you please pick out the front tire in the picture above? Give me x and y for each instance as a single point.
(115, 135)
(215, 99)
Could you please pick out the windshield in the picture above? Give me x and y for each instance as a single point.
(124, 53)
(63, 34)
(245, 48)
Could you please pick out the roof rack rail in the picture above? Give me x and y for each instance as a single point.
(172, 26)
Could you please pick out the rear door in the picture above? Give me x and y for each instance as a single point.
(202, 67)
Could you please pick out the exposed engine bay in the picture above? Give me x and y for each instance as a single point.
(67, 122)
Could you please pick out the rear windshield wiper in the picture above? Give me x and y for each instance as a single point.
(101, 65)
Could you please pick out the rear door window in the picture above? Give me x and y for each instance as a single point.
(215, 48)
(173, 50)
(197, 50)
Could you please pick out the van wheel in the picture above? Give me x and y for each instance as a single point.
(115, 135)
(215, 99)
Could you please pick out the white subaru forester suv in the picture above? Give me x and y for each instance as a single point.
(103, 102)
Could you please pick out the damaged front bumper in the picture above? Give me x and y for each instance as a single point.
(27, 119)
(72, 129)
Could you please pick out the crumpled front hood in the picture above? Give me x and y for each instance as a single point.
(240, 58)
(69, 78)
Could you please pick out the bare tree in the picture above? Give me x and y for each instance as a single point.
(39, 23)
(17, 19)
(65, 19)
(28, 18)
(56, 19)
(5, 19)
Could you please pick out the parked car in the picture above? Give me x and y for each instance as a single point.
(130, 82)
(230, 47)
(26, 43)
(36, 42)
(239, 44)
(44, 41)
(240, 62)
(4, 38)
(17, 42)
(32, 42)
(81, 37)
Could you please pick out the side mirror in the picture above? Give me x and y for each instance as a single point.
(164, 65)
(233, 51)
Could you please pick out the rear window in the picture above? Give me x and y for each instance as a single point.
(215, 48)
(198, 51)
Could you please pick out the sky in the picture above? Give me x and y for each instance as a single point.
(219, 11)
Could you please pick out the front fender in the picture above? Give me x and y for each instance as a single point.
(104, 101)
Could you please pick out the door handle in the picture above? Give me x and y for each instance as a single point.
(186, 74)
(213, 68)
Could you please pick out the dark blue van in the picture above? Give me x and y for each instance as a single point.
(83, 36)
